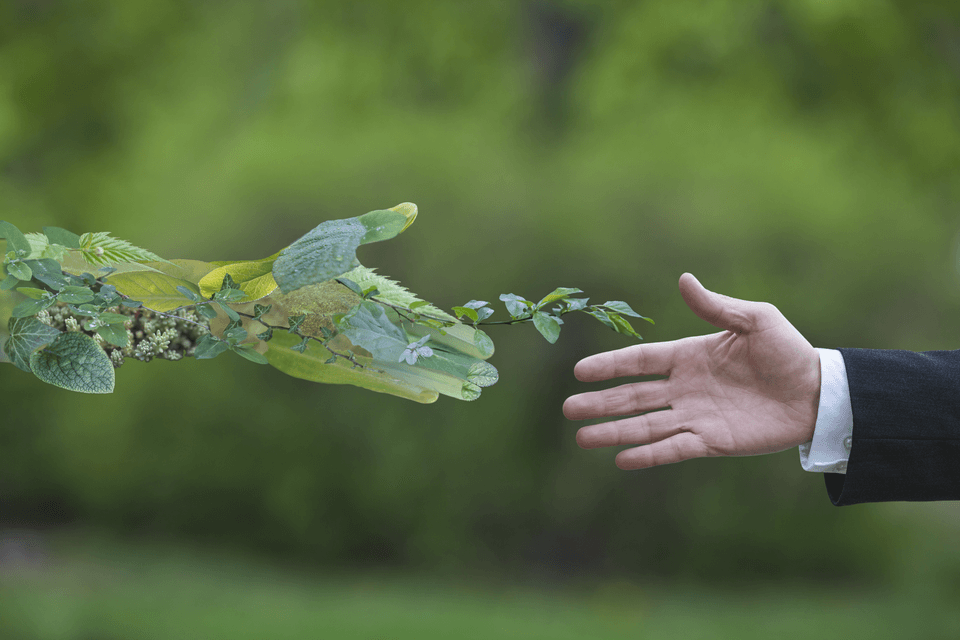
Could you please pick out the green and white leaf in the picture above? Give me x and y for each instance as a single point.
(75, 362)
(26, 336)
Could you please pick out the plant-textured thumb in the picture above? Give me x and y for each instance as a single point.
(719, 310)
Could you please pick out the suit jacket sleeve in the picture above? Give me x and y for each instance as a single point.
(906, 427)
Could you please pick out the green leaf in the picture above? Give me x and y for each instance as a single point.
(209, 347)
(229, 295)
(470, 391)
(620, 325)
(9, 283)
(235, 334)
(135, 304)
(65, 238)
(19, 270)
(189, 293)
(329, 250)
(547, 326)
(75, 362)
(36, 294)
(113, 318)
(248, 352)
(302, 346)
(464, 311)
(207, 311)
(254, 278)
(41, 247)
(620, 307)
(368, 326)
(295, 322)
(517, 307)
(100, 249)
(259, 310)
(16, 241)
(266, 335)
(483, 374)
(558, 294)
(483, 343)
(115, 334)
(392, 292)
(31, 307)
(576, 304)
(75, 295)
(233, 315)
(26, 336)
(156, 290)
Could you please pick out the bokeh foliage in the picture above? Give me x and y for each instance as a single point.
(799, 152)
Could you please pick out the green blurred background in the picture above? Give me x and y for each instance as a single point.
(800, 152)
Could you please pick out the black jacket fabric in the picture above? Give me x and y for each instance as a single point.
(906, 427)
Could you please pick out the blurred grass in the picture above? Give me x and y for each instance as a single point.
(92, 587)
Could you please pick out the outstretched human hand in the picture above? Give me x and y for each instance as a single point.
(753, 388)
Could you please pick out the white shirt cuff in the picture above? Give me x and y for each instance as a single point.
(829, 450)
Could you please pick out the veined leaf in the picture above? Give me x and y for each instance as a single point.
(547, 325)
(157, 291)
(75, 362)
(100, 249)
(254, 277)
(26, 336)
(394, 293)
(329, 250)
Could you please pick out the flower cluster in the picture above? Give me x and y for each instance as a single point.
(150, 334)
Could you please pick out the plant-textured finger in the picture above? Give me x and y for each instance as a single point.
(645, 429)
(656, 358)
(329, 250)
(683, 446)
(635, 397)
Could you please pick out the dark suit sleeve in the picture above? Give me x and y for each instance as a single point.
(906, 427)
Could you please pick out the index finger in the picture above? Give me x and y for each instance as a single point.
(656, 358)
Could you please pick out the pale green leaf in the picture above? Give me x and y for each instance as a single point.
(100, 249)
(75, 362)
(558, 294)
(255, 278)
(547, 325)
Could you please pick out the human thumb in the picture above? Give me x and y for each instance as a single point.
(719, 310)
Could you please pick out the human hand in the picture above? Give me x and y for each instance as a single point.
(753, 388)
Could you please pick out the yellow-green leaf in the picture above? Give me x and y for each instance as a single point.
(157, 291)
(254, 278)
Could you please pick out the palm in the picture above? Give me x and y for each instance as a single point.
(750, 389)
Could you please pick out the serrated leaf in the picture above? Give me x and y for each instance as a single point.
(558, 294)
(483, 374)
(329, 250)
(547, 325)
(156, 290)
(75, 362)
(100, 249)
(393, 292)
(26, 336)
(115, 334)
(16, 241)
